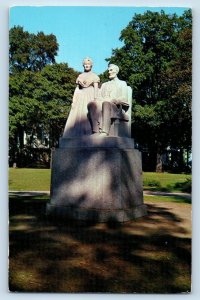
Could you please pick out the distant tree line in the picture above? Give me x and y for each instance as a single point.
(155, 60)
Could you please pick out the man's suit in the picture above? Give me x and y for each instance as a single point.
(112, 103)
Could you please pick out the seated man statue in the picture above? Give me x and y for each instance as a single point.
(112, 103)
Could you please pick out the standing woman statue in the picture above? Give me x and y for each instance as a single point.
(86, 91)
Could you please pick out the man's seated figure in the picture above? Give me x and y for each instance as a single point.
(112, 103)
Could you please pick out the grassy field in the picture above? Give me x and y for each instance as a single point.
(39, 180)
(29, 179)
(167, 182)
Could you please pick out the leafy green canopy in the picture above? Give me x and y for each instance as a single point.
(41, 98)
(155, 60)
(40, 90)
(29, 51)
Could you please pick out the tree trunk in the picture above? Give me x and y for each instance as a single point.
(181, 161)
(159, 167)
(21, 137)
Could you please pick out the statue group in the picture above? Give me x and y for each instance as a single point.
(94, 109)
(96, 171)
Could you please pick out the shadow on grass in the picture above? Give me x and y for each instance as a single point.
(148, 255)
(167, 189)
(185, 187)
(159, 196)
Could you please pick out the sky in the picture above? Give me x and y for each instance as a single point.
(81, 30)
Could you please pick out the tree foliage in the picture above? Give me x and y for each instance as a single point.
(155, 60)
(41, 97)
(40, 91)
(32, 52)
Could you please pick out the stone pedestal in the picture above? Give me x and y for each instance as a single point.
(95, 178)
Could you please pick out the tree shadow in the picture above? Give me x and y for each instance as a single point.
(184, 187)
(147, 255)
(96, 178)
(173, 197)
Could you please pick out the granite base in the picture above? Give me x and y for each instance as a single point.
(97, 182)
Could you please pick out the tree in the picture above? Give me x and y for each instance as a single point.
(156, 62)
(40, 91)
(58, 83)
(39, 104)
(28, 51)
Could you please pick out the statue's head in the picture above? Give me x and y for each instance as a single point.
(87, 64)
(113, 70)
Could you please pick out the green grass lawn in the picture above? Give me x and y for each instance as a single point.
(29, 179)
(39, 180)
(166, 182)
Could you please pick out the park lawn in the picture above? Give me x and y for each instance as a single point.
(39, 180)
(167, 182)
(29, 179)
